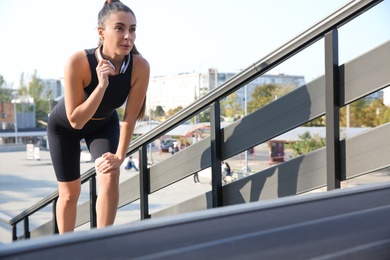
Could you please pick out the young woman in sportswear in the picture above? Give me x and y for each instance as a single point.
(97, 81)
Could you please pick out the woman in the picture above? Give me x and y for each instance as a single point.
(97, 81)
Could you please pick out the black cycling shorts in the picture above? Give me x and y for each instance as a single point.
(101, 136)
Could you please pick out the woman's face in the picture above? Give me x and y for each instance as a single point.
(119, 33)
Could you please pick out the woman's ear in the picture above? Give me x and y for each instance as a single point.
(101, 33)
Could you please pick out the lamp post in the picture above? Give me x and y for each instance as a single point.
(14, 101)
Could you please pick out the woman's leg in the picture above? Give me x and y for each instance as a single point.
(66, 211)
(135, 167)
(65, 155)
(108, 197)
(100, 142)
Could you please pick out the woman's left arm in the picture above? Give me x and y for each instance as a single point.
(139, 86)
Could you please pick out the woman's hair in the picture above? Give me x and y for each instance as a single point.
(114, 6)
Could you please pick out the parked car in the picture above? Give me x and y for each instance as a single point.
(166, 143)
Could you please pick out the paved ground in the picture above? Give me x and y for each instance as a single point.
(24, 182)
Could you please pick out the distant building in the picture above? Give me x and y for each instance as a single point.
(7, 118)
(54, 87)
(170, 92)
(376, 95)
(279, 79)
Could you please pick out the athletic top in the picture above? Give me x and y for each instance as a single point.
(117, 90)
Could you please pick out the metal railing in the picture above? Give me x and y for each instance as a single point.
(293, 110)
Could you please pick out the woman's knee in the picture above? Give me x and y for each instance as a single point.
(69, 192)
(109, 179)
(69, 198)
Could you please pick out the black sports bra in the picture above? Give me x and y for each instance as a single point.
(117, 90)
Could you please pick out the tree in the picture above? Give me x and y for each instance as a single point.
(35, 89)
(230, 106)
(173, 111)
(159, 112)
(385, 113)
(319, 121)
(357, 112)
(307, 143)
(265, 94)
(375, 113)
(204, 116)
(365, 113)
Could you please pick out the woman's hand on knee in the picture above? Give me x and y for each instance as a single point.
(108, 163)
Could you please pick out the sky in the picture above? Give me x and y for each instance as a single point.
(178, 36)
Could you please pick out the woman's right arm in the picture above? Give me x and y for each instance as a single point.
(78, 75)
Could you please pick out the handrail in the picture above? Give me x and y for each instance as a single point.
(5, 218)
(341, 16)
(47, 200)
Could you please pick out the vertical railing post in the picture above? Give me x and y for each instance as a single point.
(92, 201)
(144, 181)
(26, 228)
(332, 103)
(55, 226)
(14, 232)
(216, 154)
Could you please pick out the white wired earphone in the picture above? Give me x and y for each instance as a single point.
(125, 63)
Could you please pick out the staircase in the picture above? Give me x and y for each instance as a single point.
(259, 214)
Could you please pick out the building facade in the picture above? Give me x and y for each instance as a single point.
(170, 92)
(53, 88)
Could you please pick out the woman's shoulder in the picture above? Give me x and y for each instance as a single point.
(77, 66)
(78, 56)
(140, 61)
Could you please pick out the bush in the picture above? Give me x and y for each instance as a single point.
(307, 143)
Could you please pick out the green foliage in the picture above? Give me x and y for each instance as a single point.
(306, 144)
(365, 113)
(385, 115)
(5, 93)
(319, 121)
(230, 106)
(158, 113)
(171, 112)
(204, 116)
(265, 94)
(121, 112)
(35, 89)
